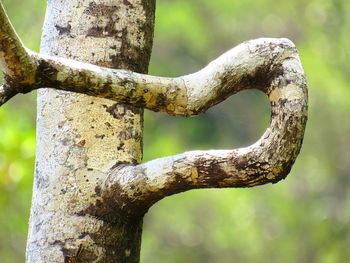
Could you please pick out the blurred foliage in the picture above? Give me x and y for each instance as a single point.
(304, 219)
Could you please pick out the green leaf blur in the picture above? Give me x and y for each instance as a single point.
(304, 219)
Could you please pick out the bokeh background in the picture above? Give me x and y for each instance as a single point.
(304, 219)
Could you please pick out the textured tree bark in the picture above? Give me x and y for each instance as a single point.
(90, 190)
(80, 138)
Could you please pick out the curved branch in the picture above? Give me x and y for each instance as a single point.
(270, 65)
(185, 95)
(16, 61)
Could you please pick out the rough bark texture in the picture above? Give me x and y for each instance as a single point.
(90, 190)
(80, 138)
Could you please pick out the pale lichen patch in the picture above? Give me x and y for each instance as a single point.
(127, 253)
(289, 92)
(194, 175)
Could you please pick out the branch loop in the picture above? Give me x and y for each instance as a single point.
(271, 65)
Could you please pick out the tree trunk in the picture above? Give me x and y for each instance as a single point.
(80, 138)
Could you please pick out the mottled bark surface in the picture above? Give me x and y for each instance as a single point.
(90, 189)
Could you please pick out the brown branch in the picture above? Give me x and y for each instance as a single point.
(6, 93)
(16, 61)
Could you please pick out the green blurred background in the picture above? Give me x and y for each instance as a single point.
(304, 219)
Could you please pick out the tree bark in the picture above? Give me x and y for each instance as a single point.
(80, 138)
